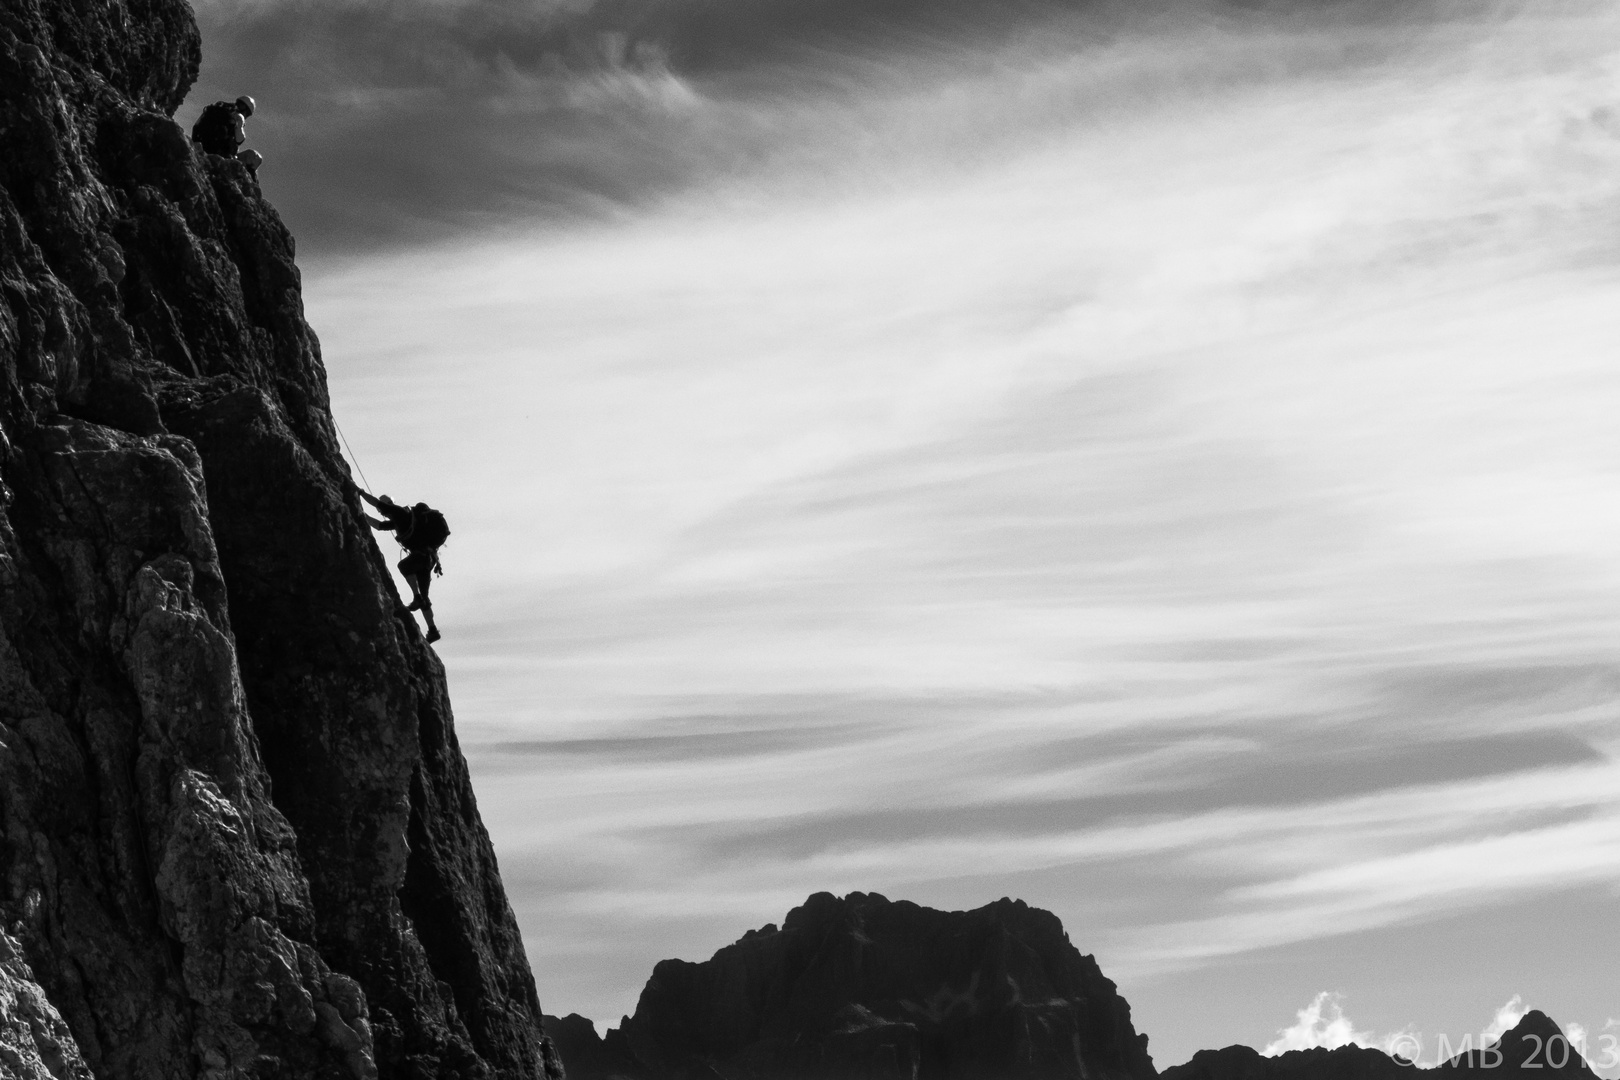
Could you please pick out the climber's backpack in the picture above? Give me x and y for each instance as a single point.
(215, 129)
(429, 530)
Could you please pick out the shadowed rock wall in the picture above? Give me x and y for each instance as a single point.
(238, 835)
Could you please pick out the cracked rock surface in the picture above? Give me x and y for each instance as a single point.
(237, 835)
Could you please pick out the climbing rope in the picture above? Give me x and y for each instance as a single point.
(352, 455)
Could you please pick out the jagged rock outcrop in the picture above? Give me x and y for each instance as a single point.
(237, 837)
(584, 1053)
(1523, 1050)
(35, 1043)
(862, 988)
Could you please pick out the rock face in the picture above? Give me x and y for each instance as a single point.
(860, 988)
(35, 1043)
(1534, 1048)
(239, 838)
(585, 1054)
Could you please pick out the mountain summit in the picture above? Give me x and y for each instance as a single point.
(239, 839)
(864, 988)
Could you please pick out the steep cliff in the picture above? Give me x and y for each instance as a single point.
(238, 834)
(861, 988)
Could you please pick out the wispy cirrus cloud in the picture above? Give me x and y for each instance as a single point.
(1165, 474)
(408, 121)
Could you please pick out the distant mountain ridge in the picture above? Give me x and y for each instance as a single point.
(1525, 1047)
(864, 988)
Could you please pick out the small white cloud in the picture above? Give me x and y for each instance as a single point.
(1321, 1023)
(1406, 1043)
(1576, 1034)
(1506, 1017)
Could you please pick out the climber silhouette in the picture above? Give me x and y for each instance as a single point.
(220, 130)
(420, 530)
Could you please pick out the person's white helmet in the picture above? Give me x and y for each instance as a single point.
(244, 105)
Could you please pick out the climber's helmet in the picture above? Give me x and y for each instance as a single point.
(244, 105)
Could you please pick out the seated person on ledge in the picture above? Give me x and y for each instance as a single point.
(219, 130)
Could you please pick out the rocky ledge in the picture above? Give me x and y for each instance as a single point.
(862, 988)
(237, 836)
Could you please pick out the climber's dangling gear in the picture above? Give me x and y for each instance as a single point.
(219, 130)
(421, 531)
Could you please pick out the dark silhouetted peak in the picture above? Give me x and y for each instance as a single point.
(862, 986)
(1535, 1046)
(587, 1054)
(1316, 1063)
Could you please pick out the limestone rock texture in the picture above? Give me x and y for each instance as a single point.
(862, 988)
(35, 1043)
(237, 835)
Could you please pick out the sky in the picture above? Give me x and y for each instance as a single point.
(1155, 460)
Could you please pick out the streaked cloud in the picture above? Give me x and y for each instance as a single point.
(1163, 468)
(400, 122)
